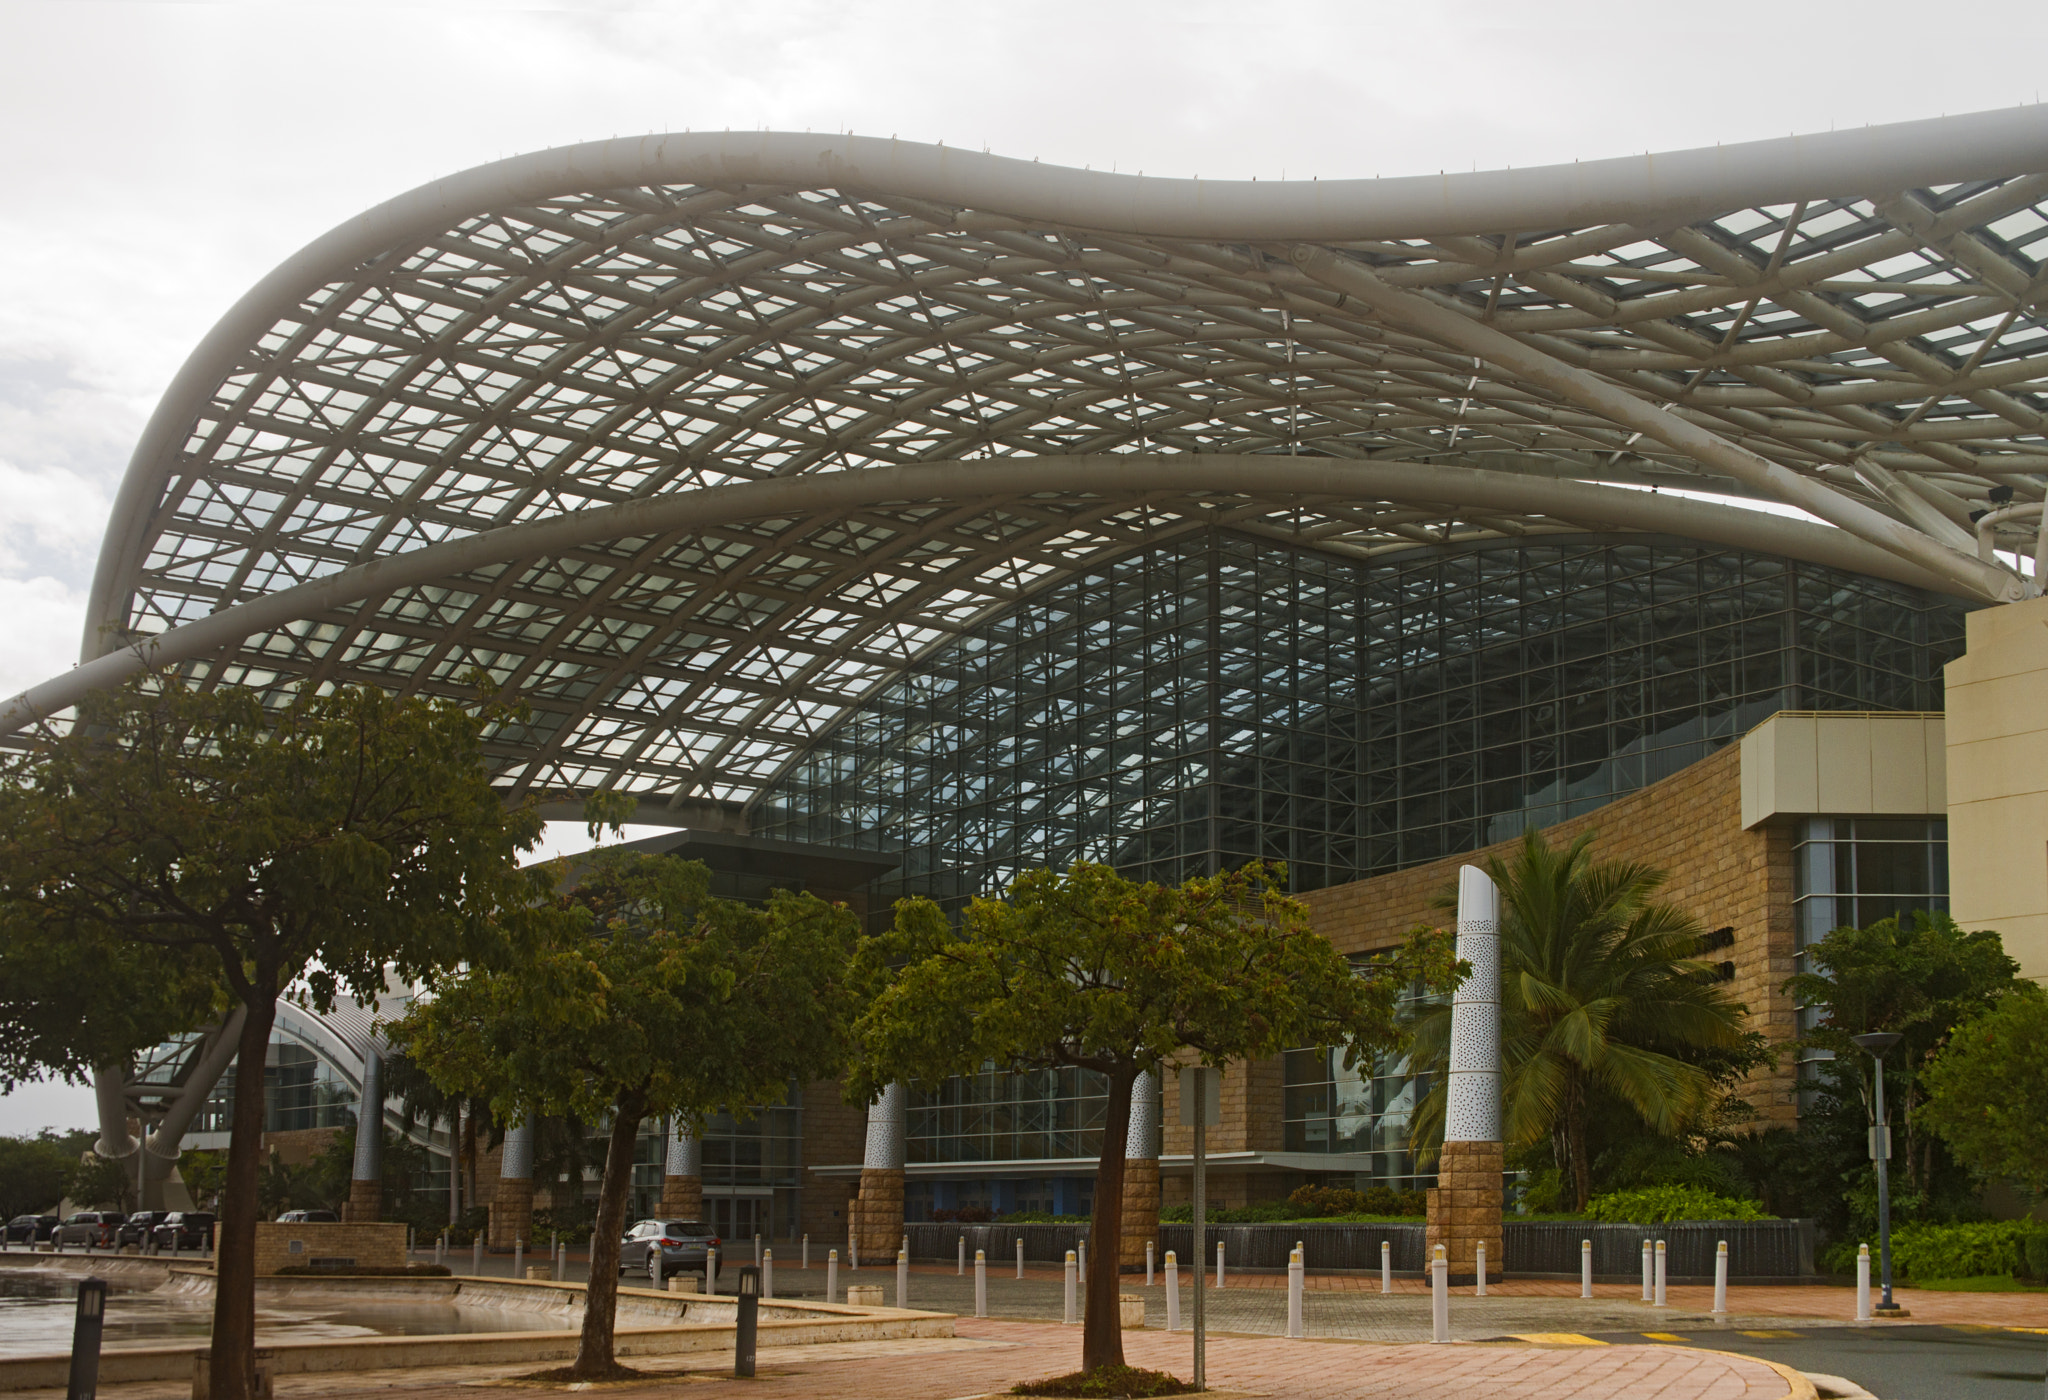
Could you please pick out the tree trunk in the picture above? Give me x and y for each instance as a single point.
(594, 1359)
(1102, 1334)
(1571, 1116)
(233, 1368)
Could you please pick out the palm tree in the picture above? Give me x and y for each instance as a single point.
(1600, 989)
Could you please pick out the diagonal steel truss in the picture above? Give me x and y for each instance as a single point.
(483, 427)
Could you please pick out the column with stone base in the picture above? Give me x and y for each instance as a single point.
(1465, 1207)
(366, 1182)
(512, 1206)
(1141, 1173)
(876, 1215)
(682, 1179)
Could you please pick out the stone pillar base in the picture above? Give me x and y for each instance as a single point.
(365, 1202)
(511, 1214)
(1141, 1209)
(877, 1214)
(1465, 1210)
(683, 1197)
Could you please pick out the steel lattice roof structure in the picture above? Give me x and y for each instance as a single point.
(693, 441)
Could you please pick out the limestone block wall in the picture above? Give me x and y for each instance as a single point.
(1689, 825)
(367, 1245)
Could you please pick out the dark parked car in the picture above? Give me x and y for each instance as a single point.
(136, 1229)
(679, 1244)
(306, 1217)
(92, 1228)
(185, 1229)
(31, 1229)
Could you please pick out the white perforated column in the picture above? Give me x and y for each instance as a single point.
(1472, 1105)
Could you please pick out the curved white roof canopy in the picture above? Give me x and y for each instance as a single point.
(695, 440)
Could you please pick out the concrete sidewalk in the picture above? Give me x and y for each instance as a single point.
(990, 1356)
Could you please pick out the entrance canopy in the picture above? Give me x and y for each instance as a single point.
(692, 441)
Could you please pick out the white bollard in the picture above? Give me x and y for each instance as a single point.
(757, 1251)
(1067, 1313)
(1439, 1297)
(1148, 1263)
(767, 1273)
(1863, 1283)
(1479, 1265)
(1082, 1254)
(806, 1264)
(1294, 1292)
(832, 1276)
(518, 1257)
(441, 1248)
(1648, 1286)
(476, 1255)
(1585, 1268)
(852, 1252)
(1020, 1256)
(1386, 1266)
(902, 1278)
(1219, 1264)
(1172, 1292)
(1721, 1280)
(981, 1283)
(1660, 1273)
(561, 1261)
(963, 1256)
(658, 1272)
(710, 1272)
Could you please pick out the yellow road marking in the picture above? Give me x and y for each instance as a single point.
(1559, 1339)
(1664, 1336)
(1769, 1334)
(2037, 1331)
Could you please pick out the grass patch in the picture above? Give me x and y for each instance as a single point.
(1983, 1283)
(1108, 1383)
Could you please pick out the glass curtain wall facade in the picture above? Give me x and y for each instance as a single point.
(1224, 698)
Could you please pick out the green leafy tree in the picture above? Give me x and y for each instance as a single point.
(100, 1183)
(1919, 979)
(1987, 1089)
(33, 1173)
(1085, 969)
(1603, 995)
(423, 1102)
(203, 1173)
(638, 995)
(201, 849)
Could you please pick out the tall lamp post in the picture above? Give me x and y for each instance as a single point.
(1876, 1043)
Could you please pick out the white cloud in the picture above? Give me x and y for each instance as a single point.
(40, 623)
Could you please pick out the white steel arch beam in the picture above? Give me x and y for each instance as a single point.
(1151, 228)
(1113, 479)
(1617, 405)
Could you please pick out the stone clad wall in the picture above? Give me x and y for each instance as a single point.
(370, 1245)
(1689, 825)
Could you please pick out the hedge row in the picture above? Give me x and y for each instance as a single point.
(1979, 1249)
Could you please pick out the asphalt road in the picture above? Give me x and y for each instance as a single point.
(1905, 1362)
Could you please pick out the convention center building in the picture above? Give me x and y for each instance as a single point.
(891, 518)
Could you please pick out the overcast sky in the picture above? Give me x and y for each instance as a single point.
(158, 158)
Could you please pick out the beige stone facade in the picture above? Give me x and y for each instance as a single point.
(1997, 756)
(366, 1245)
(1465, 1209)
(1141, 1210)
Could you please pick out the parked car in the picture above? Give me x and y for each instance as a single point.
(92, 1228)
(306, 1217)
(31, 1229)
(136, 1229)
(185, 1229)
(678, 1245)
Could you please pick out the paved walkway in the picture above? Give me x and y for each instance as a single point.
(989, 1356)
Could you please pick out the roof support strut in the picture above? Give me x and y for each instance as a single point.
(1458, 331)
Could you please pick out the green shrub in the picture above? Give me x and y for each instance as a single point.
(1039, 1217)
(1651, 1205)
(2036, 1251)
(1317, 1202)
(1972, 1250)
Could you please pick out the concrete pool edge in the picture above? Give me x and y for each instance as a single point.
(783, 1323)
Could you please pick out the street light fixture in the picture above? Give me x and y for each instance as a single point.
(1876, 1043)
